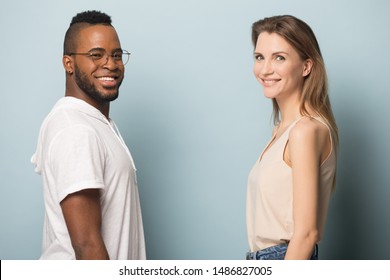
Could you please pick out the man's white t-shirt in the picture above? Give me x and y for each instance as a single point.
(79, 148)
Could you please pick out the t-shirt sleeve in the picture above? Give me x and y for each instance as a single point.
(76, 160)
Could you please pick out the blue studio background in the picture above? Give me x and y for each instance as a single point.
(195, 119)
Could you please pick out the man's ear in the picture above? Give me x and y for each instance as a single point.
(67, 61)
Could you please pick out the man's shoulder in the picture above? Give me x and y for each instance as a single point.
(64, 116)
(72, 111)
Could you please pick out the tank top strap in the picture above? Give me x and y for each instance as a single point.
(293, 124)
(321, 120)
(301, 117)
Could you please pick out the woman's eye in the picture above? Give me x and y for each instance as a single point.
(259, 57)
(279, 58)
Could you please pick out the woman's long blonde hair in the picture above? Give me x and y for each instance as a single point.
(315, 88)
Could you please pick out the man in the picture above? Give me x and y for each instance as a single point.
(92, 208)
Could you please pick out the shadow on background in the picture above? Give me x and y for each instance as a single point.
(358, 226)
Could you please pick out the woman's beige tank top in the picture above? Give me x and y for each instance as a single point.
(269, 198)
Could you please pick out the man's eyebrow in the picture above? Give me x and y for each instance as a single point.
(96, 49)
(102, 49)
(117, 49)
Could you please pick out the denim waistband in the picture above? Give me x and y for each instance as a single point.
(276, 252)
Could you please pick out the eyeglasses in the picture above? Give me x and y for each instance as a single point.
(120, 57)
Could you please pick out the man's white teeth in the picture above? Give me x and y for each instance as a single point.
(106, 78)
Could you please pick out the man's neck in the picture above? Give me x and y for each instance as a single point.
(104, 108)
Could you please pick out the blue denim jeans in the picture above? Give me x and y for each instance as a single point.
(276, 252)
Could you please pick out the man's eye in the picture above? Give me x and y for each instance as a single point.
(117, 56)
(96, 56)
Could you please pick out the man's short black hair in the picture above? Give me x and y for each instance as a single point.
(91, 17)
(80, 21)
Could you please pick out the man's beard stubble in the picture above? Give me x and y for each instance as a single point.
(89, 89)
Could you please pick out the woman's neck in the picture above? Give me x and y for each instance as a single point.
(289, 110)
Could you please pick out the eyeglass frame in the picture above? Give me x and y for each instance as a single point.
(96, 60)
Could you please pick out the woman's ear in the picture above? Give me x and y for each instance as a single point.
(307, 67)
(67, 61)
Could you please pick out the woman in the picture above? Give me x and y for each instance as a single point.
(290, 185)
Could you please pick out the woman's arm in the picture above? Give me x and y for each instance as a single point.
(307, 147)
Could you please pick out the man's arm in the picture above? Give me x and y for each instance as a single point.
(82, 213)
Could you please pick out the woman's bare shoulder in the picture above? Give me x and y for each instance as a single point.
(308, 130)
